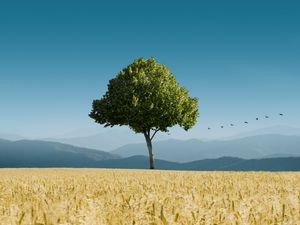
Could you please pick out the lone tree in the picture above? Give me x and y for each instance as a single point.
(146, 97)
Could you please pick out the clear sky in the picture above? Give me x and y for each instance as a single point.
(240, 58)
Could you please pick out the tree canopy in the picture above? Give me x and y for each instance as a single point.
(146, 96)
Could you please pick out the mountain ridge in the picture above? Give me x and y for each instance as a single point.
(259, 146)
(106, 139)
(27, 152)
(41, 154)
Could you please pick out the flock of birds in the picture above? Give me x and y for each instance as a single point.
(246, 122)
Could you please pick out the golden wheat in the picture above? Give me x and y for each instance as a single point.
(103, 196)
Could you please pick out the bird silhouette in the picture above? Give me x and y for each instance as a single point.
(246, 122)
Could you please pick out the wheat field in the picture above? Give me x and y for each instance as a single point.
(106, 196)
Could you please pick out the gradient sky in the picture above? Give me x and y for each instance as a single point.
(240, 58)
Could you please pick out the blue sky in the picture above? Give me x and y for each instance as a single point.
(240, 58)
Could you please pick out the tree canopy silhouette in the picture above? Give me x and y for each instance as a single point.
(146, 97)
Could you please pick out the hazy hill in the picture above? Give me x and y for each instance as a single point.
(281, 130)
(50, 154)
(10, 137)
(220, 164)
(261, 146)
(27, 153)
(142, 162)
(108, 140)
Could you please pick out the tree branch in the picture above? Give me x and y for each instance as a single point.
(155, 131)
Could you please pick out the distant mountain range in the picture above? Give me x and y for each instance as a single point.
(220, 164)
(114, 138)
(108, 140)
(39, 154)
(280, 130)
(272, 153)
(27, 153)
(262, 146)
(111, 139)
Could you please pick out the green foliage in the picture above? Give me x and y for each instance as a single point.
(146, 96)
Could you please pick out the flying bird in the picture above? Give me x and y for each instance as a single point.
(246, 122)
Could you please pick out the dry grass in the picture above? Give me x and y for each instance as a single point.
(100, 196)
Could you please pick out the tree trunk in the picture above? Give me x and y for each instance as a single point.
(149, 145)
